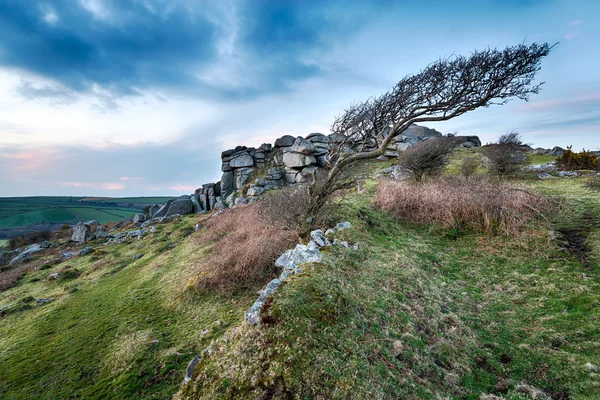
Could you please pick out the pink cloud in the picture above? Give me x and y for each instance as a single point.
(32, 161)
(182, 188)
(554, 103)
(92, 185)
(570, 36)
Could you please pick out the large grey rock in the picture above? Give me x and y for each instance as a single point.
(180, 206)
(242, 160)
(303, 146)
(296, 160)
(241, 176)
(557, 151)
(317, 137)
(255, 190)
(225, 166)
(227, 183)
(139, 218)
(197, 207)
(153, 209)
(300, 255)
(25, 254)
(81, 232)
(285, 141)
(85, 251)
(162, 211)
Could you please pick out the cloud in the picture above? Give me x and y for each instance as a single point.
(93, 185)
(572, 35)
(576, 22)
(224, 50)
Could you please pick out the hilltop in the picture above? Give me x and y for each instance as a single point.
(406, 310)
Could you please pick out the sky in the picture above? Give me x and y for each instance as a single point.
(139, 97)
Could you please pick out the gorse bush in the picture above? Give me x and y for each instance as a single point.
(468, 166)
(462, 204)
(572, 161)
(243, 250)
(29, 238)
(506, 157)
(428, 157)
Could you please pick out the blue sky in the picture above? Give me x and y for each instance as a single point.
(120, 98)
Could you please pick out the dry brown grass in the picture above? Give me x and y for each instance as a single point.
(462, 204)
(243, 251)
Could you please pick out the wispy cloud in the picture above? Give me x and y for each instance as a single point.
(576, 22)
(94, 185)
(571, 35)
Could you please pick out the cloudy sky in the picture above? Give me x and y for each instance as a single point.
(139, 97)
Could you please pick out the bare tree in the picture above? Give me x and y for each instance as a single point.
(445, 89)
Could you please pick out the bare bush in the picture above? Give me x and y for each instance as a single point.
(243, 252)
(28, 239)
(428, 157)
(287, 209)
(506, 156)
(462, 204)
(468, 166)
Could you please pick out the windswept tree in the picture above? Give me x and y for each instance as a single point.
(444, 90)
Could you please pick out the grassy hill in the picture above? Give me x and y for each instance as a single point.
(417, 312)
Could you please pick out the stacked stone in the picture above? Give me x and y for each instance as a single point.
(239, 163)
(297, 157)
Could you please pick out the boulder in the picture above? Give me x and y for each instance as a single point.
(197, 207)
(180, 206)
(85, 251)
(225, 166)
(303, 146)
(285, 141)
(241, 175)
(557, 151)
(319, 237)
(316, 137)
(227, 183)
(544, 175)
(300, 255)
(154, 208)
(242, 160)
(253, 314)
(81, 232)
(296, 160)
(25, 254)
(162, 211)
(139, 218)
(255, 190)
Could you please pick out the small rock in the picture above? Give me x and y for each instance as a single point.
(45, 244)
(343, 225)
(53, 276)
(544, 175)
(592, 368)
(44, 301)
(568, 174)
(137, 256)
(355, 247)
(68, 254)
(320, 239)
(85, 251)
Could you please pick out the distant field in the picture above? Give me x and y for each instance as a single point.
(134, 200)
(16, 212)
(3, 242)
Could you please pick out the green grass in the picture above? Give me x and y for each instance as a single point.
(416, 315)
(122, 329)
(540, 159)
(3, 242)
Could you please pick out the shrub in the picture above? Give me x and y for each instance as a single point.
(468, 166)
(29, 238)
(428, 157)
(460, 204)
(243, 251)
(286, 209)
(506, 157)
(572, 161)
(594, 184)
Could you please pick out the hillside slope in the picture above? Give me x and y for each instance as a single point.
(414, 313)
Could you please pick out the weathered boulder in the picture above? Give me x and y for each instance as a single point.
(25, 254)
(181, 205)
(303, 146)
(557, 151)
(153, 209)
(162, 211)
(197, 207)
(285, 141)
(300, 255)
(241, 176)
(139, 218)
(296, 160)
(319, 237)
(317, 137)
(242, 160)
(85, 251)
(81, 232)
(255, 190)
